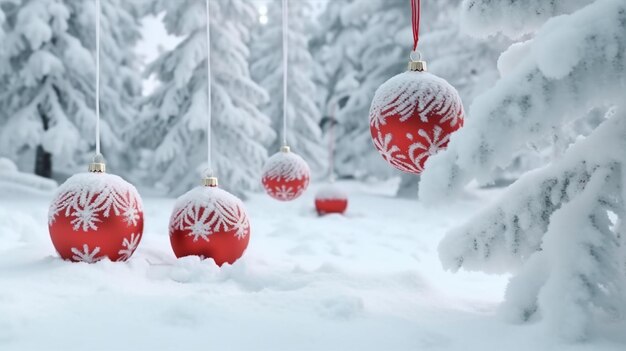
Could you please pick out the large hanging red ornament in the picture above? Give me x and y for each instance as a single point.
(94, 216)
(412, 116)
(330, 199)
(414, 113)
(285, 175)
(211, 223)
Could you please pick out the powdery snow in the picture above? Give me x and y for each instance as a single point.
(370, 280)
(407, 91)
(331, 192)
(286, 165)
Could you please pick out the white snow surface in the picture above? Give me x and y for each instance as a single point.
(370, 280)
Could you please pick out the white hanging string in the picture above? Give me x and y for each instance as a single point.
(97, 78)
(208, 74)
(331, 143)
(285, 67)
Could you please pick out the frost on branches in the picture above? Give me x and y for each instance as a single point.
(173, 120)
(47, 79)
(561, 227)
(304, 116)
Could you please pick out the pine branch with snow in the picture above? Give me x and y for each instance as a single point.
(48, 91)
(556, 225)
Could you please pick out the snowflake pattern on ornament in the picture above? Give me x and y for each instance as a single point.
(89, 197)
(285, 192)
(204, 211)
(130, 245)
(85, 255)
(402, 95)
(411, 118)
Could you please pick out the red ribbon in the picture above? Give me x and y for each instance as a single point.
(416, 11)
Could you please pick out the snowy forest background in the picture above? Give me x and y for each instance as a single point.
(153, 107)
(531, 188)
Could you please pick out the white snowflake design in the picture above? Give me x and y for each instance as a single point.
(130, 245)
(88, 197)
(283, 192)
(287, 166)
(383, 144)
(85, 255)
(419, 151)
(205, 210)
(409, 92)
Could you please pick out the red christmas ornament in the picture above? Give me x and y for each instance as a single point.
(95, 216)
(285, 175)
(331, 199)
(211, 223)
(412, 116)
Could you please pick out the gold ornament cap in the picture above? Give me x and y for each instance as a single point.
(97, 165)
(210, 182)
(285, 148)
(416, 64)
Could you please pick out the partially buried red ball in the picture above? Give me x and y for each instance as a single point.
(330, 199)
(211, 223)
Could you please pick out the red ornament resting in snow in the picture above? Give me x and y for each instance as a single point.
(211, 223)
(412, 116)
(285, 175)
(331, 199)
(95, 216)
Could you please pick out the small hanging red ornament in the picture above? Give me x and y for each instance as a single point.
(211, 223)
(285, 175)
(414, 113)
(95, 216)
(330, 199)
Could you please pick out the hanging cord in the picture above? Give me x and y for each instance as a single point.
(285, 67)
(208, 75)
(331, 143)
(416, 8)
(98, 154)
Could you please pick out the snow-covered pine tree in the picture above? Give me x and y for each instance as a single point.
(560, 228)
(173, 120)
(303, 114)
(48, 91)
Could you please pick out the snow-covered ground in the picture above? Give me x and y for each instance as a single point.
(368, 281)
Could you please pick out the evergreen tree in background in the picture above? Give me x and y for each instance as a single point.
(303, 113)
(47, 95)
(173, 120)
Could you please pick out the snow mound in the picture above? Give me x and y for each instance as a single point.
(330, 192)
(12, 180)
